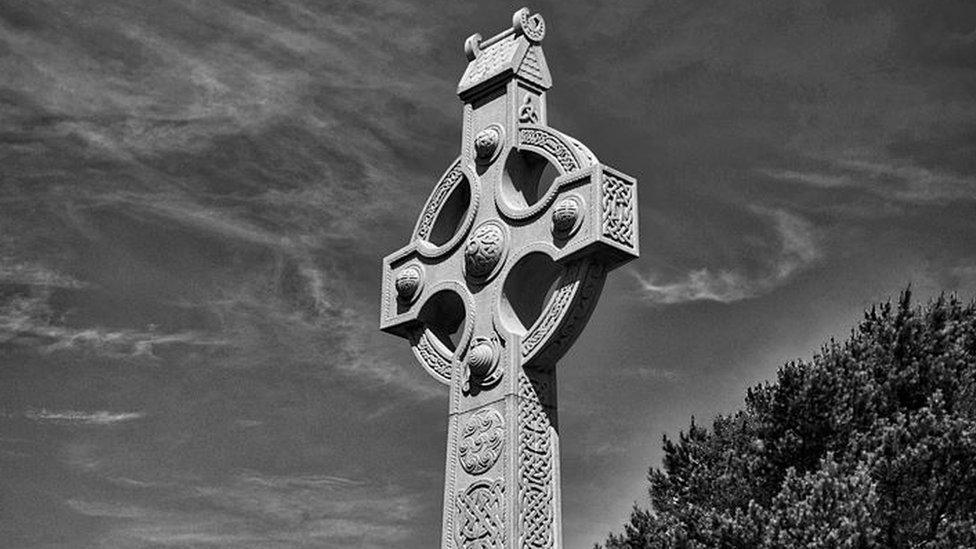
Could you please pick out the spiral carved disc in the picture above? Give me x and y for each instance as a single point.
(485, 250)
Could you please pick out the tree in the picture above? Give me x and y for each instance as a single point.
(870, 444)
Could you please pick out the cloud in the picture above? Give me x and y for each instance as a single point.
(888, 180)
(797, 248)
(25, 322)
(86, 418)
(32, 274)
(252, 509)
(913, 184)
(300, 481)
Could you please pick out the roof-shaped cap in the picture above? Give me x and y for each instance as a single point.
(514, 51)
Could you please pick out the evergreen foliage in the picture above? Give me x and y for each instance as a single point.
(870, 444)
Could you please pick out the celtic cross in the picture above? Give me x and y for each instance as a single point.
(500, 276)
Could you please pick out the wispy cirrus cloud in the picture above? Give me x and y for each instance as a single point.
(796, 248)
(100, 417)
(26, 322)
(888, 180)
(251, 509)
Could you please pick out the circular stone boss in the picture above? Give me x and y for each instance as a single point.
(485, 250)
(408, 282)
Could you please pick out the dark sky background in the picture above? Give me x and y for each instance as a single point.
(196, 196)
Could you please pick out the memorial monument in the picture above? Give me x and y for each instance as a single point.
(500, 276)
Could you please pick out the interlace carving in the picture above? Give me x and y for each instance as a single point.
(535, 470)
(549, 143)
(574, 321)
(481, 516)
(618, 209)
(444, 188)
(557, 305)
(482, 439)
(429, 356)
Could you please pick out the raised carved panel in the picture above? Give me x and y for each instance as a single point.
(482, 441)
(480, 519)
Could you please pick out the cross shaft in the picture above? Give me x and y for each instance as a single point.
(500, 276)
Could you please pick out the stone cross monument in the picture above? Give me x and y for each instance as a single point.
(501, 273)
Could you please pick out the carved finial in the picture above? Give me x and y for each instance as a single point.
(532, 26)
(472, 46)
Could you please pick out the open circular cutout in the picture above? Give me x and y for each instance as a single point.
(451, 214)
(526, 179)
(444, 315)
(528, 287)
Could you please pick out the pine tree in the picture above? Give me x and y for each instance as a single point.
(870, 444)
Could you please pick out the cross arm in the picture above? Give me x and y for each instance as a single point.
(589, 210)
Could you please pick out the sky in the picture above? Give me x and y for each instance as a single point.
(195, 197)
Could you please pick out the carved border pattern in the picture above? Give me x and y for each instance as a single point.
(481, 515)
(451, 484)
(586, 152)
(558, 303)
(573, 323)
(482, 439)
(430, 357)
(618, 209)
(450, 180)
(535, 471)
(550, 143)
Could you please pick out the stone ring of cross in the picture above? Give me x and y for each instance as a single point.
(510, 250)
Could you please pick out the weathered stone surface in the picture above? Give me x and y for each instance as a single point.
(499, 278)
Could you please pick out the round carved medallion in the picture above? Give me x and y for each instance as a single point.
(483, 367)
(485, 250)
(481, 358)
(408, 282)
(566, 215)
(481, 441)
(486, 143)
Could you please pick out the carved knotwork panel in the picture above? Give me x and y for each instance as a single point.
(535, 467)
(480, 516)
(618, 209)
